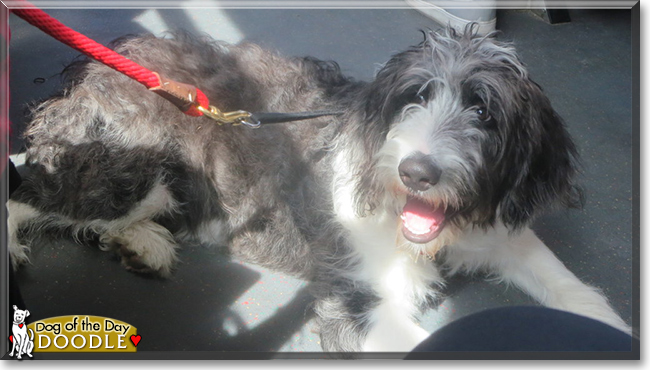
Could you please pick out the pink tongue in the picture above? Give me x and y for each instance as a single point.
(420, 217)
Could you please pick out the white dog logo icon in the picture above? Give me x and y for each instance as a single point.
(22, 343)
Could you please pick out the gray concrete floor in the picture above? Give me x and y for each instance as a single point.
(584, 66)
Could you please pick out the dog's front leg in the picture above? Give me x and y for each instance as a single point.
(13, 346)
(21, 348)
(403, 285)
(380, 291)
(392, 331)
(354, 316)
(525, 261)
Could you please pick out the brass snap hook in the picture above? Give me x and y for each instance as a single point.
(235, 118)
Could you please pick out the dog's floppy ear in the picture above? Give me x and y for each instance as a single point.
(548, 163)
(395, 84)
(380, 102)
(383, 100)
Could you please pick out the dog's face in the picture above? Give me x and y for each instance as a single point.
(468, 139)
(20, 315)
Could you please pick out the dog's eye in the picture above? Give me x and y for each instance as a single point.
(421, 96)
(483, 114)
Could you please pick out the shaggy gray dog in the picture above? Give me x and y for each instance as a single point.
(449, 153)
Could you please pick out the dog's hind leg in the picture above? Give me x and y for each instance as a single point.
(144, 245)
(522, 259)
(29, 348)
(116, 194)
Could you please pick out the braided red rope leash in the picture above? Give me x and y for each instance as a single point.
(89, 47)
(187, 98)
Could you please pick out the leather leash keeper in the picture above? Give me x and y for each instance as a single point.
(181, 95)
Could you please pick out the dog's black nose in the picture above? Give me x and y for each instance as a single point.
(419, 172)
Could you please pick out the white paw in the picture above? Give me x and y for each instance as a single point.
(144, 247)
(18, 253)
(18, 215)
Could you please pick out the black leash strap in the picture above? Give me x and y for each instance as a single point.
(269, 118)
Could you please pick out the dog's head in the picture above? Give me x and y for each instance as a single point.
(461, 135)
(20, 315)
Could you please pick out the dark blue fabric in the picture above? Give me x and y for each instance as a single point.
(525, 329)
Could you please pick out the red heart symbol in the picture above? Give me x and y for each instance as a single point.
(135, 339)
(20, 325)
(11, 338)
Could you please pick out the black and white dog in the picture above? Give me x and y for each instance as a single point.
(22, 343)
(448, 154)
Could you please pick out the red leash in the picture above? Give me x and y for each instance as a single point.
(188, 98)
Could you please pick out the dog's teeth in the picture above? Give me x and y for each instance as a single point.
(414, 231)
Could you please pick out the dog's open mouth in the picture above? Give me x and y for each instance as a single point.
(421, 222)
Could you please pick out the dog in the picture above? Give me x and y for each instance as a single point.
(22, 343)
(447, 155)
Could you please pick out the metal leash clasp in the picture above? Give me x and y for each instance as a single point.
(235, 118)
